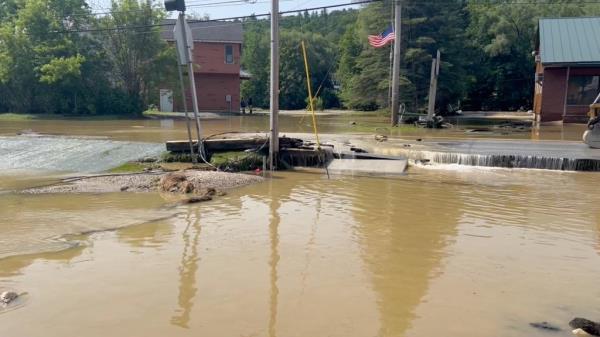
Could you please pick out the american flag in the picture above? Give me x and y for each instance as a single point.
(382, 39)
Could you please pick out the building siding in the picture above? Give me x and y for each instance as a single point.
(552, 105)
(209, 58)
(214, 78)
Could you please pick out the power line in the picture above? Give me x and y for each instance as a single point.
(93, 30)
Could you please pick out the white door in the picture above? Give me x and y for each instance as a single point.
(166, 100)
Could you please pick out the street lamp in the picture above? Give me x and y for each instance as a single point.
(175, 5)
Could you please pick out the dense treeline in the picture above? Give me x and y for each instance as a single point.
(486, 49)
(51, 63)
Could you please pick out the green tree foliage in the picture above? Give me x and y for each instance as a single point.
(138, 55)
(47, 66)
(503, 38)
(426, 27)
(321, 32)
(255, 60)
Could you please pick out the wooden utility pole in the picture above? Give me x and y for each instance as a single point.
(396, 71)
(435, 72)
(274, 121)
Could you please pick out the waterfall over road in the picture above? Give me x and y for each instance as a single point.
(69, 154)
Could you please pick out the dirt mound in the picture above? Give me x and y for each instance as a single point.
(182, 182)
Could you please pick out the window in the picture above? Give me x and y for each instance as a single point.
(583, 90)
(229, 54)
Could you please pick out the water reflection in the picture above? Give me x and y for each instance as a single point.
(188, 268)
(14, 265)
(273, 260)
(404, 229)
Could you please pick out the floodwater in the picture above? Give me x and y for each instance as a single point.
(436, 252)
(147, 130)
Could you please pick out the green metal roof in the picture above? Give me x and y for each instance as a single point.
(570, 41)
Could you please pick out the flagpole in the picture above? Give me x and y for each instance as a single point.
(391, 75)
(396, 68)
(391, 60)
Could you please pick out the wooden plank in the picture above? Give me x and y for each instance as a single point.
(232, 144)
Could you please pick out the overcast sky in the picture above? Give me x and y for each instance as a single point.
(237, 9)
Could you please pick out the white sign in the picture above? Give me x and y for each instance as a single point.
(184, 48)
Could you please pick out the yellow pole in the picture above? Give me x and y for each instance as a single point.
(310, 97)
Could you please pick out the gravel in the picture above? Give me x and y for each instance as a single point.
(145, 182)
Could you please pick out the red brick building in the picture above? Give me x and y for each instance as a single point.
(217, 52)
(567, 78)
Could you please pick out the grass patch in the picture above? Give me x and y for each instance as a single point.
(172, 157)
(237, 161)
(129, 167)
(16, 117)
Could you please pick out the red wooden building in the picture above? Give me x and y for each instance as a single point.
(217, 52)
(567, 78)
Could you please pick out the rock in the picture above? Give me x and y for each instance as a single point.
(545, 326)
(7, 297)
(590, 327)
(175, 182)
(579, 332)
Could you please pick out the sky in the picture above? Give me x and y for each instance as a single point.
(236, 9)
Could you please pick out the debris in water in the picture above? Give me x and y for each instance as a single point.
(381, 138)
(545, 326)
(7, 297)
(357, 149)
(194, 200)
(584, 325)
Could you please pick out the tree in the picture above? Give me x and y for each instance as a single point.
(293, 74)
(135, 49)
(255, 60)
(503, 37)
(36, 56)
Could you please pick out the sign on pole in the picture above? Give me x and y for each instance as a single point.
(184, 47)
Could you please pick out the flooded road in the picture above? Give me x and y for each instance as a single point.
(147, 130)
(470, 252)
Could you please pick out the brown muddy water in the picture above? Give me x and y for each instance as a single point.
(149, 130)
(469, 252)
